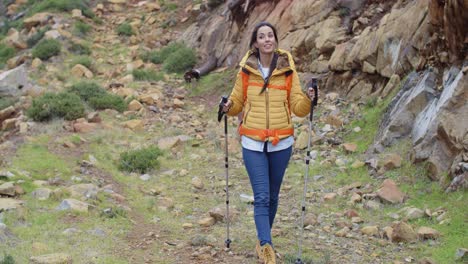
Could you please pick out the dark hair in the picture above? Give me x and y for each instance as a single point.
(255, 31)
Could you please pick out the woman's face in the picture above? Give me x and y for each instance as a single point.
(265, 42)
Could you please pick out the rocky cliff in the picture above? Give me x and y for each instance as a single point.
(416, 50)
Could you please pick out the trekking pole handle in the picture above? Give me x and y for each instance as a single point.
(223, 101)
(313, 84)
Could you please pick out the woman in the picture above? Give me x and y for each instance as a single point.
(267, 89)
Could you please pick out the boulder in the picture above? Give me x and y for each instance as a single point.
(14, 82)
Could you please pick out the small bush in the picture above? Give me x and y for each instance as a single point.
(141, 160)
(36, 37)
(83, 60)
(88, 13)
(80, 49)
(108, 101)
(125, 29)
(82, 28)
(6, 53)
(180, 61)
(62, 105)
(147, 75)
(87, 90)
(159, 56)
(46, 49)
(97, 97)
(7, 259)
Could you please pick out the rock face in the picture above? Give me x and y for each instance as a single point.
(14, 82)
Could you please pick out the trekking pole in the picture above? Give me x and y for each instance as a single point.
(307, 161)
(226, 164)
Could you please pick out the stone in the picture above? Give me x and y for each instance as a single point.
(7, 189)
(342, 232)
(414, 213)
(41, 194)
(372, 205)
(207, 222)
(135, 105)
(55, 258)
(9, 124)
(165, 203)
(52, 34)
(389, 192)
(83, 191)
(367, 67)
(403, 232)
(197, 183)
(9, 204)
(391, 161)
(356, 198)
(427, 233)
(351, 213)
(73, 205)
(357, 164)
(168, 142)
(6, 113)
(219, 214)
(350, 147)
(370, 230)
(81, 71)
(177, 103)
(76, 13)
(14, 82)
(36, 63)
(135, 124)
(329, 197)
(36, 19)
(84, 127)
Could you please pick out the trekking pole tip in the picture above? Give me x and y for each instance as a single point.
(228, 243)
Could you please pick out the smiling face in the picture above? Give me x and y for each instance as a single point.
(265, 42)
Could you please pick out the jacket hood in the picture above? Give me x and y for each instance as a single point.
(285, 62)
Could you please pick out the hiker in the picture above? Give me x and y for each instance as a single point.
(267, 90)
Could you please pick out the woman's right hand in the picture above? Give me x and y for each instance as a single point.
(227, 106)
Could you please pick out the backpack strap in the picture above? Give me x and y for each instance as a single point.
(245, 81)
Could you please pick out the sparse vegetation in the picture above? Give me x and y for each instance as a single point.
(46, 49)
(125, 29)
(97, 97)
(83, 60)
(147, 75)
(141, 160)
(80, 49)
(159, 56)
(6, 102)
(7, 259)
(58, 6)
(35, 38)
(61, 105)
(180, 61)
(6, 53)
(82, 28)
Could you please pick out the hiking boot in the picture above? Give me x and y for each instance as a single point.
(258, 250)
(268, 254)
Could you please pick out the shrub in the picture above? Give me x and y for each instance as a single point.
(36, 37)
(6, 102)
(46, 49)
(59, 5)
(7, 259)
(6, 52)
(108, 101)
(147, 75)
(125, 29)
(62, 105)
(87, 90)
(141, 160)
(82, 28)
(97, 97)
(83, 60)
(161, 55)
(80, 49)
(180, 60)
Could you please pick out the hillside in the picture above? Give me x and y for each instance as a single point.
(107, 155)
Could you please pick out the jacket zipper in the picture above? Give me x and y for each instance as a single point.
(287, 113)
(247, 113)
(267, 108)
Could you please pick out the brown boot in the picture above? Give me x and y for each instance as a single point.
(268, 254)
(258, 250)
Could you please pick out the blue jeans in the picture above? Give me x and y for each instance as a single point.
(266, 171)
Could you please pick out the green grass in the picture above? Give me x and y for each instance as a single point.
(82, 29)
(35, 158)
(125, 29)
(147, 75)
(6, 102)
(83, 60)
(6, 53)
(57, 6)
(214, 84)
